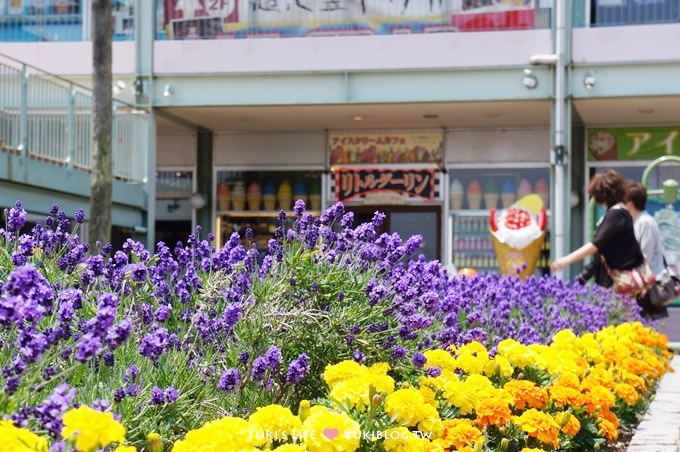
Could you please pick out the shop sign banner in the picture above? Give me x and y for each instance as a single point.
(187, 19)
(386, 147)
(351, 183)
(633, 143)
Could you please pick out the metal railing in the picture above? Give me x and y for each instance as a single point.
(48, 118)
(290, 18)
(634, 12)
(60, 20)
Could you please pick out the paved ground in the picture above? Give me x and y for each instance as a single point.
(671, 325)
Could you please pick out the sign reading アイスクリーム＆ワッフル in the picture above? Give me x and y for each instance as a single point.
(632, 143)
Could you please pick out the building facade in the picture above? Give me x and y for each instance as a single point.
(432, 111)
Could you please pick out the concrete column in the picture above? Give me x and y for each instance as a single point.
(204, 177)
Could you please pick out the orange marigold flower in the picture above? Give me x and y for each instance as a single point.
(568, 423)
(635, 381)
(599, 398)
(563, 396)
(610, 416)
(599, 376)
(608, 430)
(492, 410)
(637, 367)
(459, 433)
(569, 380)
(526, 393)
(540, 425)
(627, 393)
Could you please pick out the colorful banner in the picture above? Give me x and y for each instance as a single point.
(351, 183)
(633, 143)
(386, 147)
(194, 19)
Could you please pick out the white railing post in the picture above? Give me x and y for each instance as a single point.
(71, 129)
(23, 113)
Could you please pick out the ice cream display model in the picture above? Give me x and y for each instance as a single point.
(517, 233)
(490, 194)
(474, 195)
(456, 195)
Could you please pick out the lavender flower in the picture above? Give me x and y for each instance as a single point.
(297, 369)
(229, 380)
(157, 396)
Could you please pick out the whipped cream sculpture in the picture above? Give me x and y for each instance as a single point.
(517, 233)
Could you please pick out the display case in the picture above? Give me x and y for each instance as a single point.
(253, 199)
(472, 193)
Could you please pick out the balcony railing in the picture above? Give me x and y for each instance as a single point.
(60, 20)
(47, 118)
(181, 19)
(634, 12)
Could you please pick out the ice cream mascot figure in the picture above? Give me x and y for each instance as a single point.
(517, 233)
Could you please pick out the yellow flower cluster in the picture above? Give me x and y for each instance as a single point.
(16, 439)
(92, 429)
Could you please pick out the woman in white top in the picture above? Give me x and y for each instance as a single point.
(647, 234)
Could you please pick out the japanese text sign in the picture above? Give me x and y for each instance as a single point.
(387, 147)
(352, 183)
(634, 143)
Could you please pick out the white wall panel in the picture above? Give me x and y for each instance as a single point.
(275, 149)
(176, 150)
(497, 145)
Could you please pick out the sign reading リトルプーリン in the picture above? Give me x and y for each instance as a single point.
(351, 183)
(633, 143)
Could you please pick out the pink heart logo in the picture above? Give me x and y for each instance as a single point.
(331, 433)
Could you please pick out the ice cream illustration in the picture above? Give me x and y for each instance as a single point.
(524, 188)
(508, 193)
(300, 191)
(474, 194)
(315, 196)
(223, 195)
(285, 195)
(602, 145)
(269, 196)
(456, 194)
(517, 234)
(254, 196)
(541, 189)
(238, 196)
(490, 194)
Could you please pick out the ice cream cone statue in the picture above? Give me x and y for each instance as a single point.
(541, 189)
(456, 194)
(269, 196)
(285, 195)
(508, 193)
(517, 234)
(238, 196)
(490, 194)
(254, 196)
(223, 195)
(474, 195)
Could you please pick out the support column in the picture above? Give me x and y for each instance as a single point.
(560, 158)
(204, 177)
(151, 180)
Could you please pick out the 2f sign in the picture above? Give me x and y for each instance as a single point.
(640, 138)
(221, 8)
(214, 8)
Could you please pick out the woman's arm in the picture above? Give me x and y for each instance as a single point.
(577, 255)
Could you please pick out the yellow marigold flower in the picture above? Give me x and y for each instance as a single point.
(429, 396)
(303, 409)
(434, 446)
(326, 431)
(569, 424)
(405, 406)
(477, 383)
(226, 434)
(154, 442)
(608, 430)
(400, 439)
(599, 398)
(456, 395)
(492, 410)
(517, 354)
(429, 420)
(91, 428)
(564, 396)
(627, 393)
(380, 368)
(344, 370)
(569, 380)
(526, 393)
(473, 363)
(441, 359)
(276, 422)
(291, 448)
(16, 439)
(125, 449)
(440, 382)
(458, 433)
(539, 425)
(498, 365)
(599, 376)
(564, 339)
(356, 390)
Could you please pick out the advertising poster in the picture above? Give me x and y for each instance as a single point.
(386, 147)
(207, 19)
(633, 143)
(352, 183)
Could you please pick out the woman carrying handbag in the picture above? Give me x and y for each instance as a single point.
(618, 249)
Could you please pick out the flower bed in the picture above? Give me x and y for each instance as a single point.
(170, 340)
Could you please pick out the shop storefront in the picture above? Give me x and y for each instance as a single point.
(629, 150)
(436, 183)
